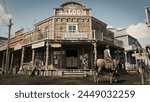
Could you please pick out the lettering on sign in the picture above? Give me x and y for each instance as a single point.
(75, 35)
(72, 12)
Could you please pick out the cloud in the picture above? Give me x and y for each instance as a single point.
(138, 31)
(141, 32)
(4, 15)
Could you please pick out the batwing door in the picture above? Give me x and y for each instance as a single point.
(72, 59)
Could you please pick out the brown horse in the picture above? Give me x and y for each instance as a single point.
(103, 66)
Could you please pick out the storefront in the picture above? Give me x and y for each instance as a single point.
(70, 41)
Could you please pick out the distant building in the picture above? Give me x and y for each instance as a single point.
(147, 12)
(130, 45)
(15, 52)
(3, 41)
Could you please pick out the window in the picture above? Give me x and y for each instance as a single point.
(46, 30)
(72, 28)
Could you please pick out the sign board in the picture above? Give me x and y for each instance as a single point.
(77, 35)
(18, 46)
(56, 45)
(37, 45)
(74, 12)
(128, 48)
(72, 9)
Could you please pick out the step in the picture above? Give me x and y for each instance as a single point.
(73, 74)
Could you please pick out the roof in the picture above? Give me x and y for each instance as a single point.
(70, 2)
(4, 38)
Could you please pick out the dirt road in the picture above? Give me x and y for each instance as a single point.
(128, 79)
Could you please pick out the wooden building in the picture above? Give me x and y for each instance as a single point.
(3, 41)
(15, 52)
(130, 45)
(65, 44)
(70, 41)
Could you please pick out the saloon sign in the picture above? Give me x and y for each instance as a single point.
(72, 12)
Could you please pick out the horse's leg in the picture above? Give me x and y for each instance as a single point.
(141, 70)
(111, 77)
(95, 76)
(116, 76)
(99, 69)
(99, 73)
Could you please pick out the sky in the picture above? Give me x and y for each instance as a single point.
(119, 14)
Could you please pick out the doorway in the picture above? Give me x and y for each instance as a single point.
(72, 59)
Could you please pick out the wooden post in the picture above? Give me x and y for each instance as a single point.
(7, 67)
(95, 53)
(141, 70)
(3, 64)
(22, 58)
(11, 64)
(33, 54)
(95, 59)
(47, 56)
(126, 60)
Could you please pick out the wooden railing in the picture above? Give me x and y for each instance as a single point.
(34, 36)
(118, 43)
(31, 37)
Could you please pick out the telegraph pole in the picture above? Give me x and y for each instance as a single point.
(7, 67)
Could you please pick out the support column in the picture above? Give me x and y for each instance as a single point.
(33, 54)
(61, 57)
(3, 63)
(52, 56)
(11, 64)
(125, 60)
(22, 58)
(47, 57)
(95, 53)
(135, 53)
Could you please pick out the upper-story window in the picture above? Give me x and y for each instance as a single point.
(46, 29)
(72, 27)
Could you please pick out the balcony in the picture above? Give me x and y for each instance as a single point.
(31, 37)
(118, 43)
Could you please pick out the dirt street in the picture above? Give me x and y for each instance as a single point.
(128, 79)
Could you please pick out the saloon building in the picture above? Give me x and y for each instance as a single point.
(67, 43)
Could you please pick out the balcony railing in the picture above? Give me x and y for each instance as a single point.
(118, 43)
(34, 36)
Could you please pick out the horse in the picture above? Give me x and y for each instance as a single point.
(103, 66)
